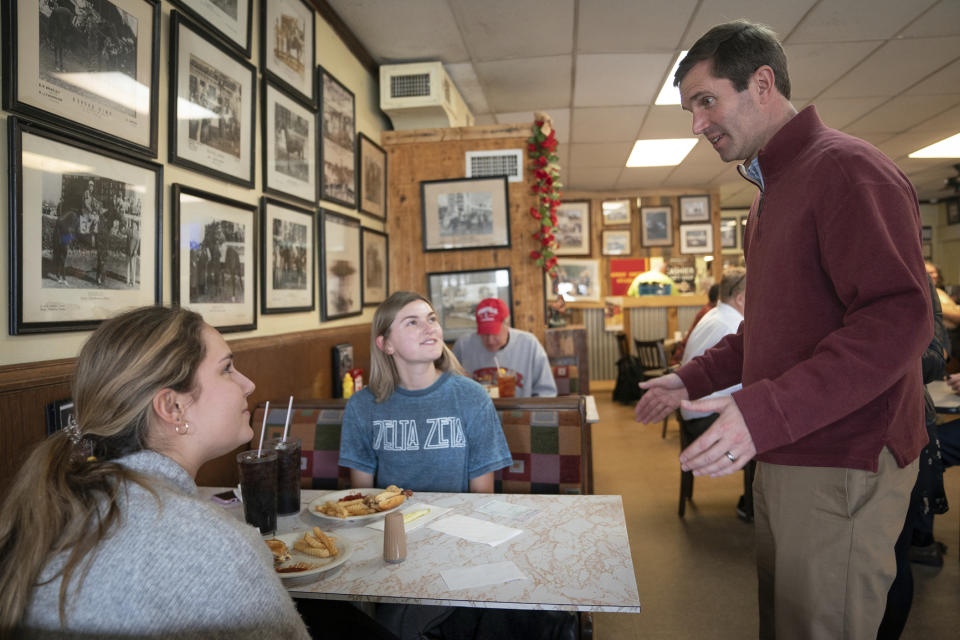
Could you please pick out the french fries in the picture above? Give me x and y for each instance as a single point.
(317, 544)
(392, 497)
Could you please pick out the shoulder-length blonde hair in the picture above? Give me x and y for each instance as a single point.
(384, 377)
(64, 502)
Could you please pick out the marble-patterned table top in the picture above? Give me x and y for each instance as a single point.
(573, 550)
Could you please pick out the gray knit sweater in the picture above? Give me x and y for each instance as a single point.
(185, 570)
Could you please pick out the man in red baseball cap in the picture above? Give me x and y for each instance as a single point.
(497, 344)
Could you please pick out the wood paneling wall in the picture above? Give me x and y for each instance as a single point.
(293, 363)
(438, 154)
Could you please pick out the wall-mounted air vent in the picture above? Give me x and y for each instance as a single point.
(499, 162)
(421, 95)
(413, 85)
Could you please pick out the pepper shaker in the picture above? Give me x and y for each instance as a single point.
(394, 538)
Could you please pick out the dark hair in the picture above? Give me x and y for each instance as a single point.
(736, 50)
(714, 293)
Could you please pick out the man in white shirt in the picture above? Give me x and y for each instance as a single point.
(723, 319)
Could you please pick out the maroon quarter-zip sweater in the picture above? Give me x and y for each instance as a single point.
(838, 309)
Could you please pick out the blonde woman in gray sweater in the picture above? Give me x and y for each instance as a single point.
(102, 533)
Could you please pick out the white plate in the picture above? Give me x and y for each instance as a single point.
(337, 495)
(322, 564)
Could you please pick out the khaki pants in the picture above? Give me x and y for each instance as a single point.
(825, 538)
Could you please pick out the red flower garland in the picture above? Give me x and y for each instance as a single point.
(542, 147)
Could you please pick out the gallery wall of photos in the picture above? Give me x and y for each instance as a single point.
(168, 152)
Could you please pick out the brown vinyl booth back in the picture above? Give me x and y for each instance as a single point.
(549, 441)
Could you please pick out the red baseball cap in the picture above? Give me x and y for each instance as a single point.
(491, 312)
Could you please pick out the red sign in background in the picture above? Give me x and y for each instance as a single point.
(623, 271)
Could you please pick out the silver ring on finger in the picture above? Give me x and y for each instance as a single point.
(731, 457)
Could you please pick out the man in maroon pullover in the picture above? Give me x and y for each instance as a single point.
(838, 314)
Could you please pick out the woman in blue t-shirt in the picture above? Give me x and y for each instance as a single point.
(420, 423)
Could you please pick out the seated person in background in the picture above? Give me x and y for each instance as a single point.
(712, 296)
(496, 343)
(656, 276)
(720, 321)
(951, 317)
(102, 533)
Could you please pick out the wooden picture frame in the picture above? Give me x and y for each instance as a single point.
(729, 228)
(694, 209)
(616, 242)
(577, 281)
(287, 257)
(456, 294)
(615, 212)
(289, 129)
(85, 230)
(96, 78)
(341, 269)
(338, 156)
(375, 246)
(287, 46)
(231, 21)
(212, 106)
(465, 213)
(214, 258)
(656, 226)
(573, 228)
(373, 178)
(696, 238)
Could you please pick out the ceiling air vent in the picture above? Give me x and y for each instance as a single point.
(421, 95)
(499, 162)
(410, 85)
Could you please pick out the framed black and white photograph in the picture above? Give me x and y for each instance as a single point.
(729, 228)
(616, 242)
(90, 68)
(926, 233)
(212, 106)
(953, 210)
(927, 248)
(60, 414)
(616, 211)
(341, 272)
(456, 294)
(289, 145)
(656, 226)
(376, 262)
(287, 257)
(577, 280)
(287, 45)
(84, 231)
(338, 156)
(694, 209)
(214, 258)
(465, 213)
(573, 228)
(696, 238)
(231, 20)
(373, 178)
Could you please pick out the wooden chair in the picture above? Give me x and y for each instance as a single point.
(655, 362)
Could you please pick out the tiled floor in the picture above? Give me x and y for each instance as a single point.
(696, 575)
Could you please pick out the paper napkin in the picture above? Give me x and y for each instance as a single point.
(482, 575)
(415, 516)
(475, 530)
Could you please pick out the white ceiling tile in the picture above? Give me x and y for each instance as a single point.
(559, 117)
(606, 124)
(667, 121)
(643, 177)
(902, 113)
(945, 80)
(467, 83)
(602, 154)
(947, 123)
(900, 145)
(943, 19)
(895, 66)
(876, 139)
(618, 26)
(693, 176)
(404, 31)
(501, 29)
(856, 20)
(839, 112)
(486, 118)
(638, 77)
(814, 67)
(782, 17)
(586, 179)
(526, 84)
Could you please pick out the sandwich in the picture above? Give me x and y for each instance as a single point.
(392, 496)
(280, 552)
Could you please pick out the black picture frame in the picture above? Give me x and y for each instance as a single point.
(233, 31)
(214, 239)
(84, 231)
(110, 108)
(656, 226)
(59, 414)
(206, 77)
(456, 294)
(341, 269)
(465, 213)
(953, 210)
(282, 24)
(288, 145)
(375, 248)
(729, 228)
(372, 170)
(287, 257)
(338, 148)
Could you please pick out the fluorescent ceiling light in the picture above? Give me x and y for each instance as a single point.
(667, 152)
(946, 148)
(670, 94)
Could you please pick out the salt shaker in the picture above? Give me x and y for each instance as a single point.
(394, 538)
